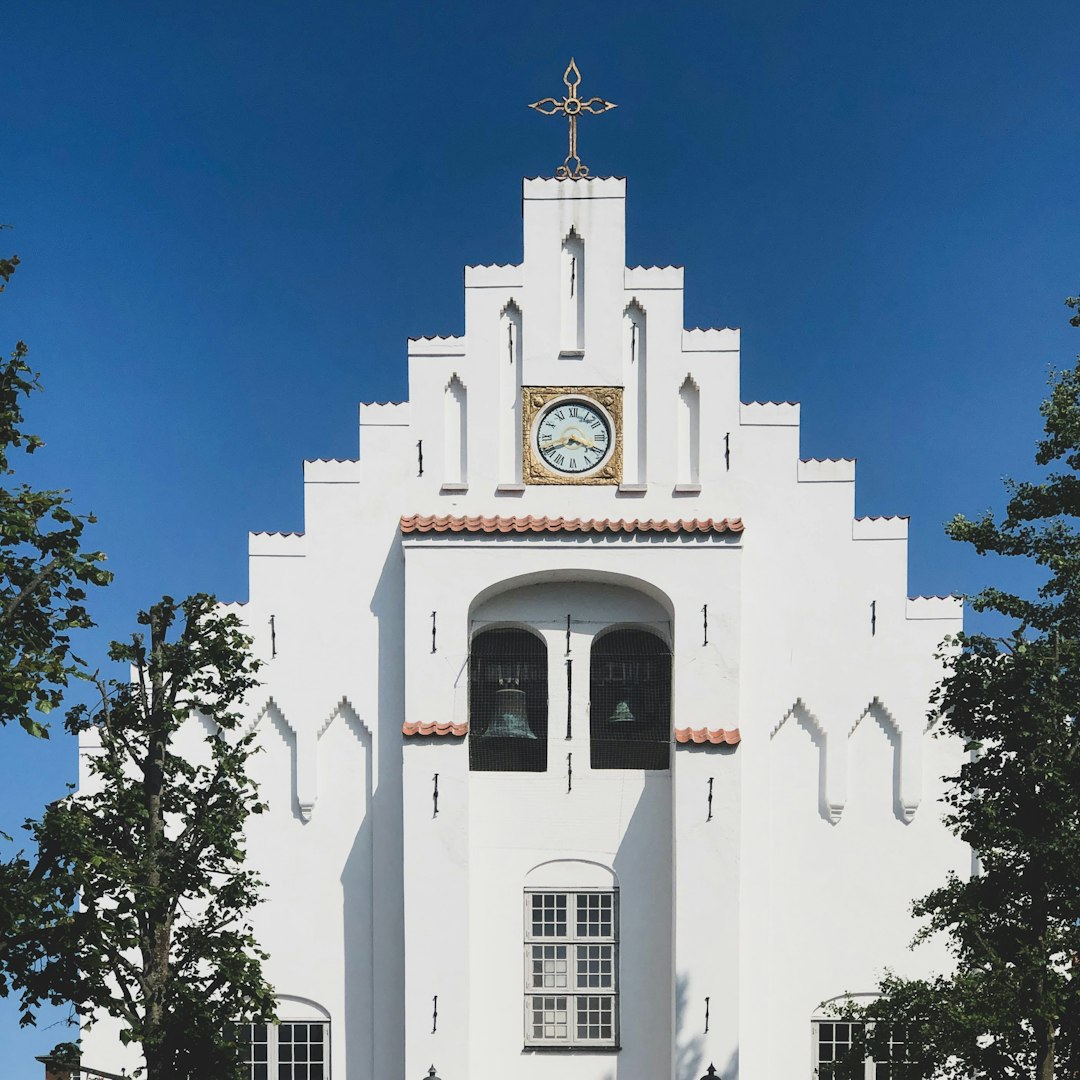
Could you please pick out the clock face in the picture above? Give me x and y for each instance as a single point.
(573, 437)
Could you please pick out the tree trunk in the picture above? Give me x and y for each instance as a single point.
(1045, 1050)
(158, 932)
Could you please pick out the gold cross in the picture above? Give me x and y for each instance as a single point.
(572, 106)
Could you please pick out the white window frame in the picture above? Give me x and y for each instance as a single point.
(574, 944)
(870, 1067)
(273, 1031)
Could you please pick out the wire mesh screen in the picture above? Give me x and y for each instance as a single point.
(630, 702)
(508, 702)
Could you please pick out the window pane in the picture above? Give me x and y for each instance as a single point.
(834, 1040)
(549, 915)
(549, 1018)
(594, 911)
(594, 1018)
(595, 967)
(549, 967)
(301, 1051)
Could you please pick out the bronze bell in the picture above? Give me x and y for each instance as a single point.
(511, 721)
(622, 714)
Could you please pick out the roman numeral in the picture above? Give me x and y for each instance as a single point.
(559, 414)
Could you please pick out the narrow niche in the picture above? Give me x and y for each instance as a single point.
(510, 395)
(635, 358)
(572, 303)
(455, 433)
(689, 474)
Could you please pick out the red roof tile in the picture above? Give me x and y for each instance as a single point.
(435, 728)
(420, 523)
(703, 735)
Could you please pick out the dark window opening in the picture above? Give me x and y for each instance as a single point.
(630, 701)
(508, 707)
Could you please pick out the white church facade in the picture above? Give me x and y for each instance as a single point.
(594, 721)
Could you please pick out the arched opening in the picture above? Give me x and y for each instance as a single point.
(508, 701)
(630, 701)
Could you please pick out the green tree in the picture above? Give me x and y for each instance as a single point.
(44, 572)
(153, 848)
(1011, 1008)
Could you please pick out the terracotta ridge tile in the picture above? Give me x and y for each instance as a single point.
(715, 737)
(426, 523)
(434, 727)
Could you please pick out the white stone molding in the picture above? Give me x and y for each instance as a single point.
(832, 786)
(273, 712)
(910, 751)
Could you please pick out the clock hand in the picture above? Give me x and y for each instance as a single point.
(581, 440)
(556, 442)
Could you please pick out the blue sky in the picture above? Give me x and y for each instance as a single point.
(231, 217)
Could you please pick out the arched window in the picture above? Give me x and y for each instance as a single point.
(846, 1049)
(571, 956)
(507, 702)
(297, 1047)
(630, 701)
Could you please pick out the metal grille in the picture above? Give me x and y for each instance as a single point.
(630, 701)
(571, 968)
(508, 702)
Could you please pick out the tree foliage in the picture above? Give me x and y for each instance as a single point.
(1011, 1008)
(153, 848)
(44, 573)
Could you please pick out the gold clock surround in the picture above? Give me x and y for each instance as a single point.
(534, 399)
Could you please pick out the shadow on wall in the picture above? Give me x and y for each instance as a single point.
(357, 1025)
(688, 1047)
(643, 865)
(386, 977)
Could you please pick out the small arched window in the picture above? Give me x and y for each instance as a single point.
(295, 1047)
(630, 701)
(507, 702)
(571, 956)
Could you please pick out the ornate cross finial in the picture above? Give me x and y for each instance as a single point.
(572, 106)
